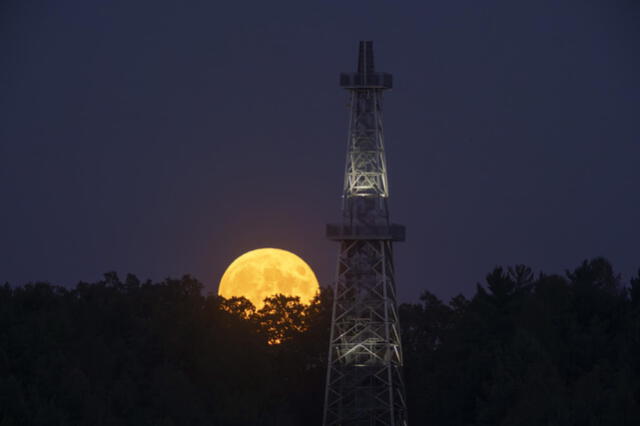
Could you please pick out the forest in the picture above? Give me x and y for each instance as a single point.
(526, 349)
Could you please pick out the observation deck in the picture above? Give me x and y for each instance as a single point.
(340, 232)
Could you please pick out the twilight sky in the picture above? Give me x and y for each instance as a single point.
(168, 137)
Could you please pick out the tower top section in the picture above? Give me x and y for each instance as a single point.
(366, 77)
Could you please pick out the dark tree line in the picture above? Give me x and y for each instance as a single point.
(524, 350)
(527, 350)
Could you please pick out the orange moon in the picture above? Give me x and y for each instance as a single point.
(265, 272)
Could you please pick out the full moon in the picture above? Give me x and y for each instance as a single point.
(265, 272)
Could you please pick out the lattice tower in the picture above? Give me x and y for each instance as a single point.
(364, 375)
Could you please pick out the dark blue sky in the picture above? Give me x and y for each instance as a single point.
(167, 137)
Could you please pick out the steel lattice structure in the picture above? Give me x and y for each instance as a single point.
(364, 376)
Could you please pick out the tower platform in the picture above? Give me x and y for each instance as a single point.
(341, 232)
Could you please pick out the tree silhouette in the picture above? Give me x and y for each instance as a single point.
(524, 350)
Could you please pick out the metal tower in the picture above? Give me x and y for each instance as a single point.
(364, 375)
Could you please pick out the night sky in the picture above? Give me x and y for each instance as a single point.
(163, 138)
